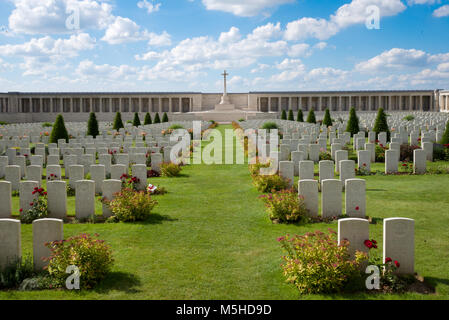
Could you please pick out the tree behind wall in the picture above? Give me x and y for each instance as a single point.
(381, 124)
(59, 130)
(118, 123)
(92, 126)
(327, 121)
(165, 117)
(311, 117)
(136, 121)
(147, 119)
(353, 123)
(290, 115)
(157, 119)
(300, 116)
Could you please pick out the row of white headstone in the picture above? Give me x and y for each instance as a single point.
(44, 231)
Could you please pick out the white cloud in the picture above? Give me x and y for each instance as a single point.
(124, 30)
(87, 69)
(49, 47)
(412, 2)
(151, 7)
(442, 11)
(246, 8)
(232, 35)
(49, 17)
(300, 50)
(260, 67)
(347, 15)
(398, 59)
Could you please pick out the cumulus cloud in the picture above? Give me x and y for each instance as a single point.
(49, 17)
(442, 11)
(124, 30)
(347, 15)
(246, 8)
(398, 58)
(149, 6)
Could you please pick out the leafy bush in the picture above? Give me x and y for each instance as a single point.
(290, 115)
(153, 174)
(380, 153)
(47, 125)
(285, 206)
(92, 126)
(129, 181)
(445, 139)
(15, 272)
(327, 120)
(409, 118)
(440, 153)
(38, 210)
(315, 263)
(118, 123)
(165, 117)
(59, 130)
(92, 256)
(325, 156)
(254, 169)
(176, 127)
(300, 116)
(130, 205)
(270, 126)
(270, 183)
(381, 123)
(406, 152)
(170, 170)
(157, 119)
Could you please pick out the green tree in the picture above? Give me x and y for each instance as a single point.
(353, 123)
(92, 126)
(157, 119)
(445, 139)
(311, 117)
(327, 121)
(147, 119)
(165, 117)
(59, 130)
(381, 124)
(290, 115)
(284, 115)
(300, 116)
(136, 121)
(118, 123)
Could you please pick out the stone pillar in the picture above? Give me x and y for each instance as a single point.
(10, 242)
(269, 104)
(340, 107)
(45, 231)
(71, 105)
(159, 107)
(410, 101)
(140, 105)
(421, 106)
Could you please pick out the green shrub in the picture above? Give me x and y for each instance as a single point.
(136, 121)
(445, 139)
(118, 123)
(92, 126)
(270, 126)
(290, 115)
(327, 121)
(92, 256)
(15, 272)
(409, 118)
(38, 210)
(157, 119)
(283, 115)
(147, 120)
(300, 116)
(380, 153)
(311, 117)
(164, 117)
(170, 170)
(59, 130)
(353, 123)
(254, 169)
(285, 206)
(47, 125)
(381, 124)
(176, 127)
(130, 205)
(315, 263)
(440, 153)
(325, 156)
(270, 183)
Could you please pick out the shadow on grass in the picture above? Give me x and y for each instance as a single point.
(436, 281)
(119, 281)
(156, 218)
(376, 190)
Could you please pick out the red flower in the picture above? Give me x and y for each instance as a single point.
(31, 204)
(21, 210)
(387, 260)
(368, 244)
(397, 264)
(357, 208)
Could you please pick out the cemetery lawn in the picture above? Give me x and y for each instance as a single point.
(210, 238)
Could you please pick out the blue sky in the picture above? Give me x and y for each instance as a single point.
(184, 45)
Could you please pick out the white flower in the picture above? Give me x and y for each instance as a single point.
(151, 188)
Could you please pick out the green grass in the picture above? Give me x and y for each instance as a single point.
(210, 238)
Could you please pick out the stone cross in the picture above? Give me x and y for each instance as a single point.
(225, 74)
